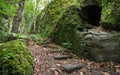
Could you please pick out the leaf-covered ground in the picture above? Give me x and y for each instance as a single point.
(44, 64)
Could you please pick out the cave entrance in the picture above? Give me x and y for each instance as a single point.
(91, 14)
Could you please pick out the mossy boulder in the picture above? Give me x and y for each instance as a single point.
(69, 23)
(61, 20)
(101, 45)
(51, 15)
(15, 59)
(66, 32)
(110, 15)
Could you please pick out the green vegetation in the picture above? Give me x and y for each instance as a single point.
(66, 31)
(4, 37)
(110, 14)
(51, 15)
(62, 20)
(15, 58)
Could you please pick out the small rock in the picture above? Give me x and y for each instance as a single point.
(55, 51)
(105, 73)
(81, 73)
(62, 57)
(98, 72)
(70, 67)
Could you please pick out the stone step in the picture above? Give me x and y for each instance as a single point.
(72, 67)
(47, 46)
(99, 72)
(62, 57)
(56, 51)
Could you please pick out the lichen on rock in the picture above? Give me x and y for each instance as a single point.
(15, 59)
(101, 45)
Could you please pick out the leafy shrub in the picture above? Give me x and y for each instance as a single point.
(4, 37)
(15, 59)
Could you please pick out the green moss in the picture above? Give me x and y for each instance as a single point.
(66, 31)
(110, 15)
(15, 59)
(90, 2)
(4, 36)
(51, 15)
(60, 19)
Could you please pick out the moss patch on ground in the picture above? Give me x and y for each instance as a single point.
(15, 59)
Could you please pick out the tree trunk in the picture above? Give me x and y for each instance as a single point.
(35, 16)
(17, 19)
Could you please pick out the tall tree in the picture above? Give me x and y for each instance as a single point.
(17, 19)
(35, 16)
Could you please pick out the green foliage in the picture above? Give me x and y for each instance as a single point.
(8, 8)
(60, 19)
(110, 14)
(4, 37)
(35, 37)
(51, 15)
(15, 59)
(66, 31)
(27, 20)
(5, 24)
(68, 47)
(110, 11)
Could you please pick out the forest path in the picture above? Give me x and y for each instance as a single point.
(46, 64)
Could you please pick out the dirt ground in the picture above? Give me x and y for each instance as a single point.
(45, 64)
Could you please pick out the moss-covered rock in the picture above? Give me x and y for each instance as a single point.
(48, 20)
(66, 31)
(101, 45)
(110, 15)
(15, 59)
(51, 15)
(69, 22)
(61, 19)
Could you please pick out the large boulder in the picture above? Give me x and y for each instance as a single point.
(15, 59)
(62, 19)
(50, 16)
(101, 45)
(55, 11)
(66, 32)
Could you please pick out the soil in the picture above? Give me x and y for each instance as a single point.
(45, 64)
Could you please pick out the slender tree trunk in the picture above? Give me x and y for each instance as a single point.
(35, 16)
(17, 19)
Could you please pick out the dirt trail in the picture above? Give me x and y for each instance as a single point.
(45, 64)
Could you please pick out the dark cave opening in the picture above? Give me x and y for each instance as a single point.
(91, 14)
